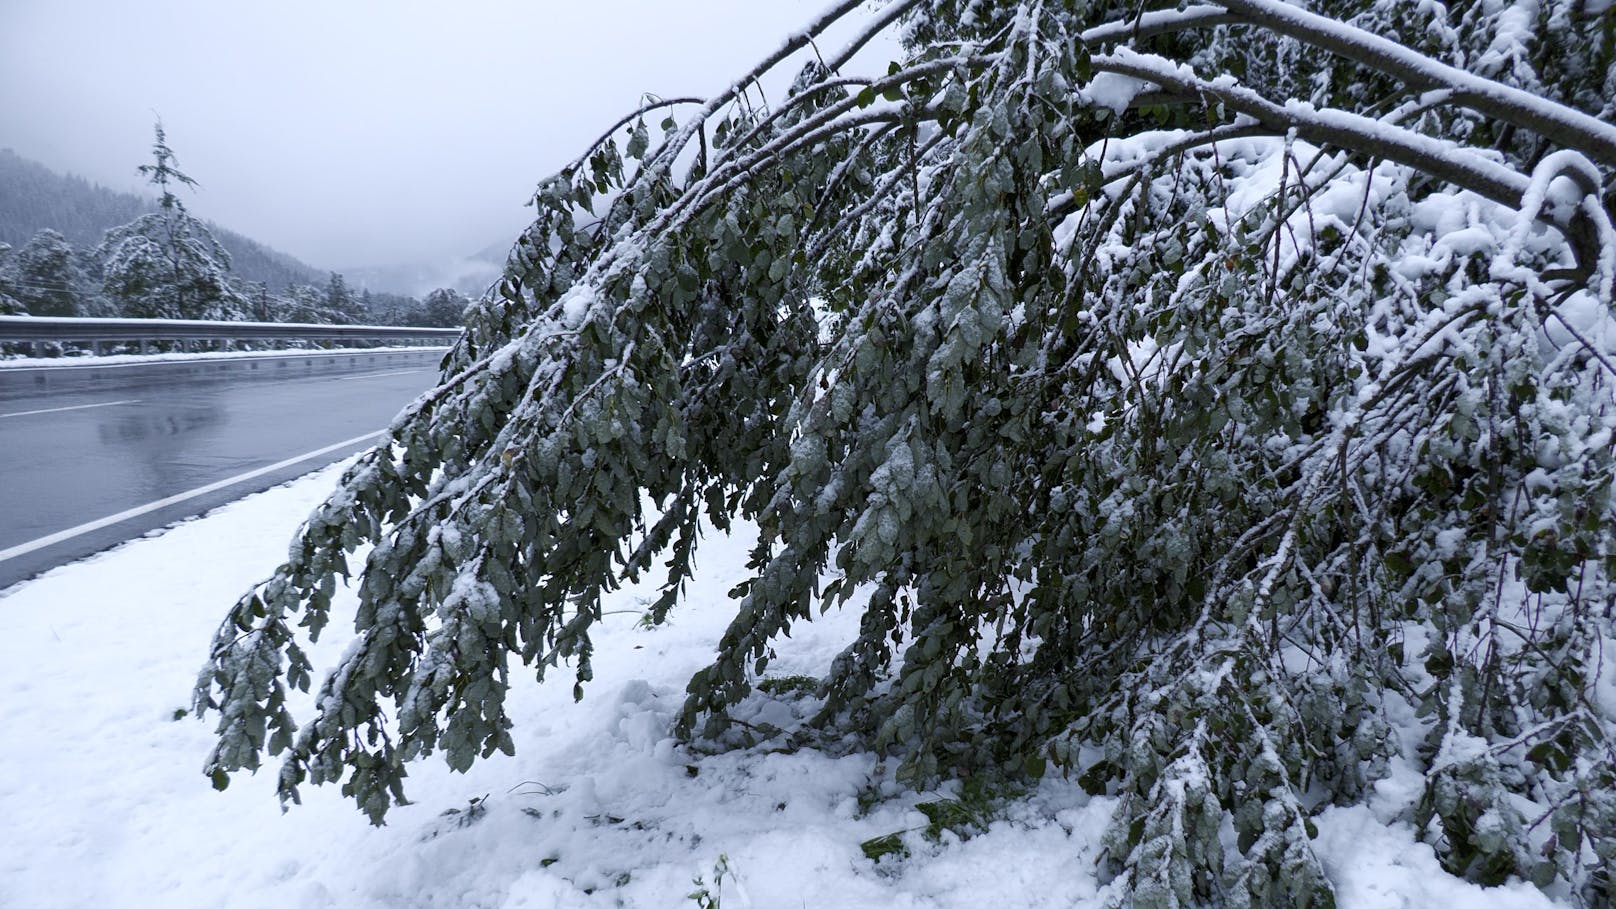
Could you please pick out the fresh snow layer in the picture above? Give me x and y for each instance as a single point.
(105, 805)
(1114, 91)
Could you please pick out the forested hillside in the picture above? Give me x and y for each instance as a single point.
(33, 198)
(72, 248)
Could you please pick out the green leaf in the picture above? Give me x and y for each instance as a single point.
(1095, 780)
(1549, 754)
(638, 140)
(880, 847)
(1399, 563)
(1035, 766)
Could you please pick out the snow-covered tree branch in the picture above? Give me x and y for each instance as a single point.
(1212, 404)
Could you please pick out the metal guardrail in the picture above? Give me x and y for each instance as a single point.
(68, 375)
(95, 332)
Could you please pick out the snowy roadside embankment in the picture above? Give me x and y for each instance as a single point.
(105, 804)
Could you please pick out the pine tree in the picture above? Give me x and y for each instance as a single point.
(261, 306)
(394, 309)
(9, 305)
(1193, 394)
(44, 278)
(304, 303)
(168, 264)
(341, 306)
(442, 308)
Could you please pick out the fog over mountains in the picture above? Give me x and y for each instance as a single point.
(470, 275)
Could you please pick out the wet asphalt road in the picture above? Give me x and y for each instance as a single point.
(68, 460)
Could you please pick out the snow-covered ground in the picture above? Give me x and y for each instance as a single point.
(102, 802)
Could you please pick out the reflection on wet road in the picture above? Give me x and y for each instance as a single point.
(71, 459)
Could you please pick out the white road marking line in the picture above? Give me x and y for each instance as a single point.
(373, 375)
(109, 520)
(29, 413)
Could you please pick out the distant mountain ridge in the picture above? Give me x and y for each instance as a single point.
(34, 197)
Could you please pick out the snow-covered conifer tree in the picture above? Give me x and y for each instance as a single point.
(340, 305)
(1209, 402)
(9, 305)
(43, 277)
(442, 308)
(168, 264)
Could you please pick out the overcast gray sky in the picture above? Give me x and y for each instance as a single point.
(358, 132)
